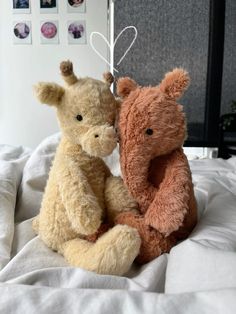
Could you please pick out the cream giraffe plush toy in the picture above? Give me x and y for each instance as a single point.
(81, 194)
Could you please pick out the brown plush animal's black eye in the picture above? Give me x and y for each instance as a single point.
(79, 117)
(149, 131)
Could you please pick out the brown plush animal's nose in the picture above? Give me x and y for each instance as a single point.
(96, 135)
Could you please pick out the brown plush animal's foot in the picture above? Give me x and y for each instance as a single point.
(153, 243)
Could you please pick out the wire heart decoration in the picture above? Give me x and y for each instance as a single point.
(112, 46)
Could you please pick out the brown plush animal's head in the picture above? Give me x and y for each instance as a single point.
(151, 123)
(86, 110)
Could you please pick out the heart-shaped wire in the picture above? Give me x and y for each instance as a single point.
(112, 46)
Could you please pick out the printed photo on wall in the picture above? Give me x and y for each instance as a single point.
(49, 32)
(48, 6)
(76, 6)
(76, 32)
(22, 32)
(21, 6)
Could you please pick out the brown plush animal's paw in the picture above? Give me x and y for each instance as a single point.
(66, 68)
(165, 223)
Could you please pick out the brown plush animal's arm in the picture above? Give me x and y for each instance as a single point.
(170, 205)
(82, 208)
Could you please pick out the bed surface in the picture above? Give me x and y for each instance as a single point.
(198, 276)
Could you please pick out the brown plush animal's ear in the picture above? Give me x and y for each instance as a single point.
(175, 83)
(124, 86)
(49, 93)
(108, 78)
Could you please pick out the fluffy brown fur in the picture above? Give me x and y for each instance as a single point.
(152, 130)
(81, 193)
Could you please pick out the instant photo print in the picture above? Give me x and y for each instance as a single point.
(21, 6)
(48, 6)
(49, 32)
(76, 6)
(22, 32)
(76, 32)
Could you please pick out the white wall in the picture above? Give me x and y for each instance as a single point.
(23, 121)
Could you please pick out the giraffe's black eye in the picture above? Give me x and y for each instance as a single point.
(79, 117)
(149, 131)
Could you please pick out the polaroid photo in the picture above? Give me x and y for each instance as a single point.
(21, 6)
(76, 32)
(48, 6)
(22, 32)
(49, 32)
(76, 6)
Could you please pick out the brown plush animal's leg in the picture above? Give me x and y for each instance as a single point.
(153, 243)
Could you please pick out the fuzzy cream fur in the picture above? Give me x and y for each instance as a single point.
(81, 193)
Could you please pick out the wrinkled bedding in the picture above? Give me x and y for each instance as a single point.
(198, 276)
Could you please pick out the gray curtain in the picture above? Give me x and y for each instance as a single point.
(171, 33)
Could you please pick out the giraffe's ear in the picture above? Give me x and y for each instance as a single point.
(125, 85)
(175, 83)
(49, 93)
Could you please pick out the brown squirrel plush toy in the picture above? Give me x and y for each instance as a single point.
(152, 130)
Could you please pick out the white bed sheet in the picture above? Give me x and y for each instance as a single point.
(198, 276)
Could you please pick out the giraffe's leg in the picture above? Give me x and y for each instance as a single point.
(113, 253)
